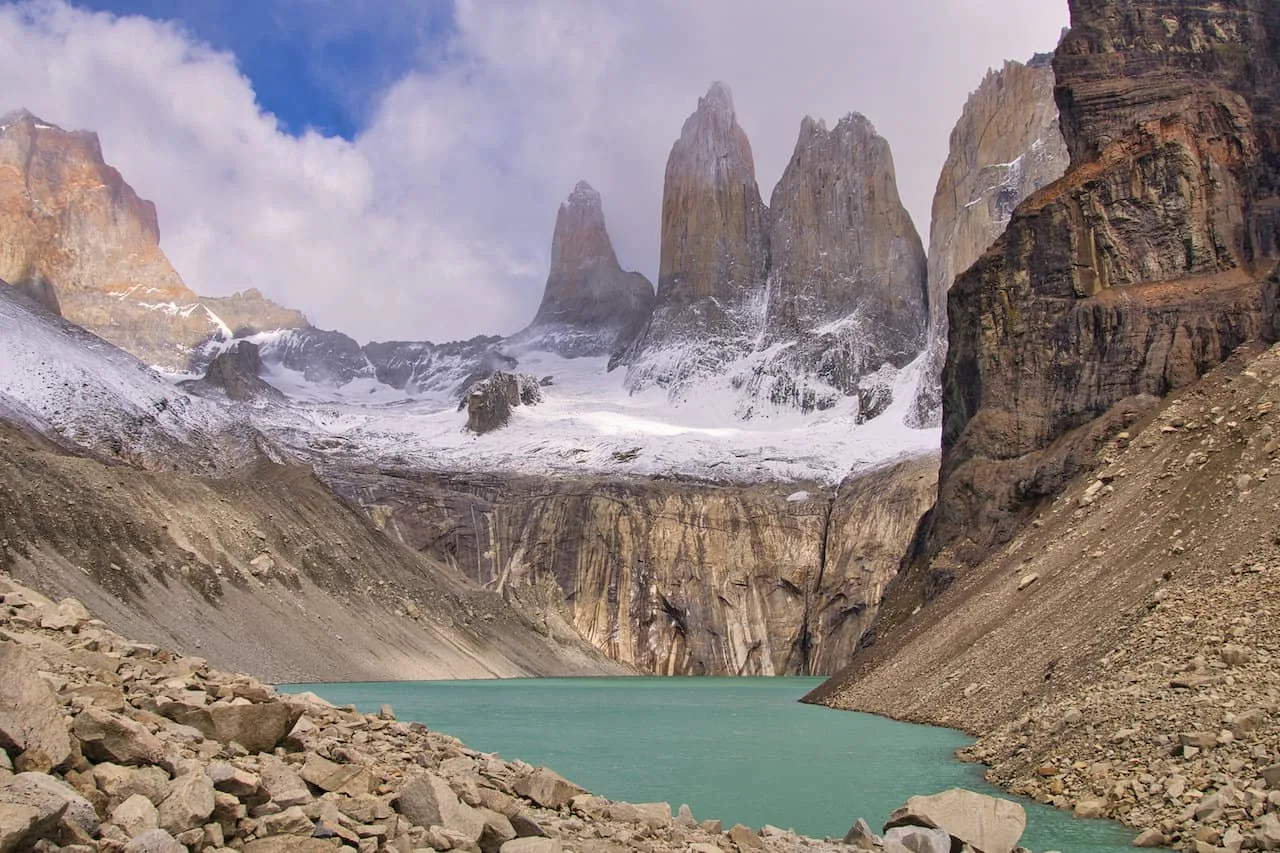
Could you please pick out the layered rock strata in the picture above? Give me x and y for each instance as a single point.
(793, 305)
(1146, 265)
(1005, 146)
(590, 307)
(673, 578)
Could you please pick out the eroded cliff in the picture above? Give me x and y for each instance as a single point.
(1145, 266)
(673, 578)
(1005, 146)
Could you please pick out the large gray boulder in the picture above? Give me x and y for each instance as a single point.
(52, 798)
(917, 839)
(257, 727)
(105, 736)
(548, 789)
(30, 716)
(189, 804)
(21, 826)
(987, 824)
(427, 800)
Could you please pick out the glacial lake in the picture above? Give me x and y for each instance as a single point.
(741, 750)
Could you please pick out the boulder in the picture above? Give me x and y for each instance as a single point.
(293, 844)
(257, 727)
(52, 798)
(135, 815)
(189, 804)
(233, 780)
(427, 800)
(745, 837)
(547, 789)
(281, 783)
(21, 826)
(917, 839)
(860, 836)
(105, 736)
(30, 716)
(120, 783)
(989, 824)
(349, 779)
(533, 845)
(154, 841)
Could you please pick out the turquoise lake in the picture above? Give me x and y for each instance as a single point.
(741, 750)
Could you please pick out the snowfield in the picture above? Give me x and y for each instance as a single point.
(74, 387)
(588, 423)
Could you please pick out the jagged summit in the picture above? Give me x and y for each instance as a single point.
(719, 99)
(591, 306)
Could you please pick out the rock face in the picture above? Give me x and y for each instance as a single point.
(489, 402)
(1146, 265)
(714, 255)
(235, 373)
(675, 579)
(1006, 146)
(71, 228)
(793, 306)
(590, 306)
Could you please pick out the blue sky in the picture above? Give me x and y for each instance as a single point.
(313, 63)
(393, 168)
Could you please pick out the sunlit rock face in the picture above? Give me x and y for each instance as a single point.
(1006, 146)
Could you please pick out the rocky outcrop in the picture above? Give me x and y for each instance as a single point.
(714, 255)
(674, 578)
(490, 401)
(590, 306)
(1005, 146)
(1145, 266)
(71, 228)
(795, 306)
(235, 374)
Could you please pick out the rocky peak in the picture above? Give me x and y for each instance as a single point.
(1005, 146)
(590, 306)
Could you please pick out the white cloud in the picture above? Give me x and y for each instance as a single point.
(436, 222)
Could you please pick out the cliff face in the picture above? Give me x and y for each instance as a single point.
(715, 251)
(795, 305)
(590, 306)
(673, 578)
(1146, 265)
(1006, 146)
(71, 228)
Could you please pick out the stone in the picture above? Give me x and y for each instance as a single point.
(1234, 655)
(533, 845)
(498, 830)
(50, 797)
(745, 837)
(154, 841)
(119, 783)
(30, 715)
(1150, 838)
(294, 844)
(135, 815)
(291, 821)
(258, 727)
(490, 401)
(281, 783)
(427, 800)
(1271, 775)
(590, 307)
(916, 839)
(349, 779)
(189, 804)
(21, 826)
(1248, 722)
(860, 836)
(236, 374)
(547, 788)
(232, 779)
(1027, 580)
(105, 736)
(990, 824)
(1090, 809)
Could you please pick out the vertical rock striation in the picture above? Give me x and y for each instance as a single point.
(714, 255)
(1005, 146)
(793, 306)
(1145, 266)
(590, 307)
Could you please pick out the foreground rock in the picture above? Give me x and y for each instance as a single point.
(170, 755)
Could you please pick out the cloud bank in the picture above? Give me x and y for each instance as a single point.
(435, 221)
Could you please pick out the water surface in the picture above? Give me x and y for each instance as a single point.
(741, 750)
